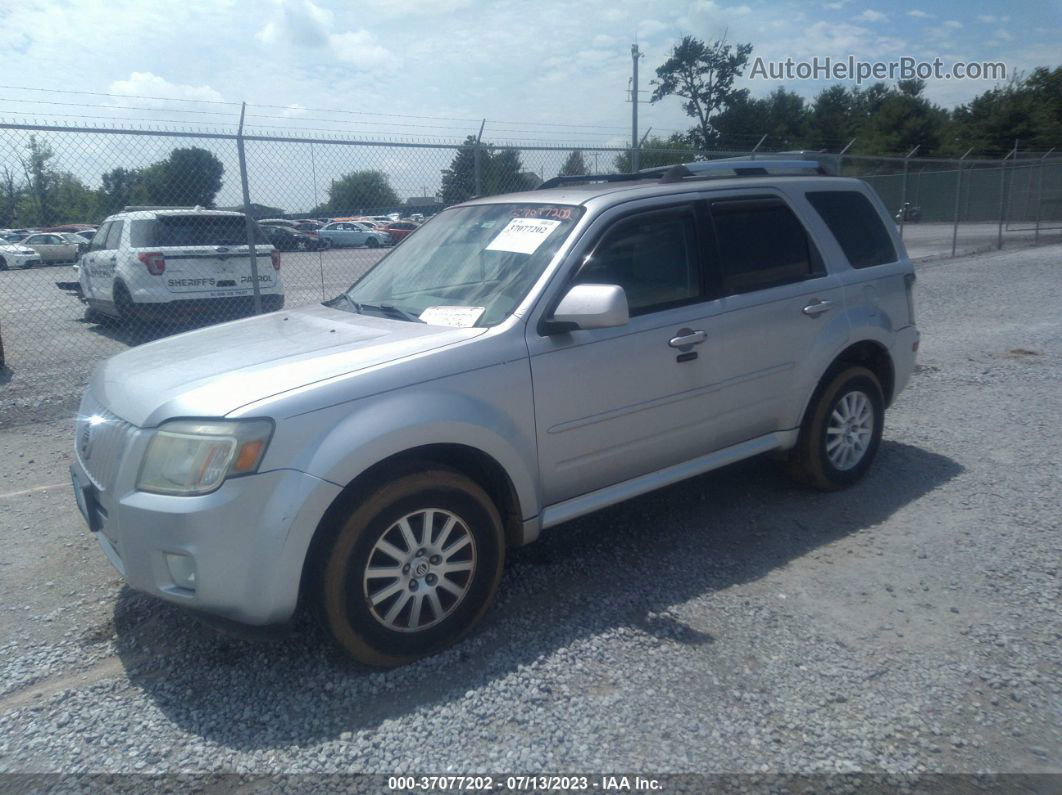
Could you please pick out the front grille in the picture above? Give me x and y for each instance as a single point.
(100, 440)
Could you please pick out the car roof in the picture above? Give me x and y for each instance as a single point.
(601, 194)
(151, 214)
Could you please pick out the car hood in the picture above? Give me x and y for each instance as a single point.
(16, 248)
(213, 371)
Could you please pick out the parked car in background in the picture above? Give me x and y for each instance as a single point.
(54, 246)
(69, 228)
(16, 235)
(400, 229)
(166, 264)
(285, 238)
(78, 239)
(349, 233)
(17, 255)
(307, 225)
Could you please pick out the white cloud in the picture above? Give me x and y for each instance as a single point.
(1003, 35)
(953, 23)
(990, 19)
(870, 15)
(650, 27)
(918, 14)
(360, 49)
(146, 84)
(306, 25)
(837, 5)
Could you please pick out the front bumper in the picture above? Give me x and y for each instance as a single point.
(245, 542)
(21, 260)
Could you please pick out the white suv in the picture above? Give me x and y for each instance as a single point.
(165, 263)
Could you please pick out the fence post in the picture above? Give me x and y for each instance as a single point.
(1040, 194)
(752, 154)
(840, 157)
(1003, 193)
(958, 194)
(477, 160)
(903, 189)
(252, 246)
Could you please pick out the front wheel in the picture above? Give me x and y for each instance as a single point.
(372, 242)
(413, 568)
(3, 264)
(841, 432)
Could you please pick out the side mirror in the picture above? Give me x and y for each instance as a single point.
(589, 306)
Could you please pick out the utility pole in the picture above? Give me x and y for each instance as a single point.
(635, 55)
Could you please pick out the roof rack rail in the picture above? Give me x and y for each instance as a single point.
(767, 164)
(580, 179)
(134, 208)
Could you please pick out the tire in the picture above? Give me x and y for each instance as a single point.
(3, 264)
(848, 404)
(372, 242)
(124, 306)
(372, 632)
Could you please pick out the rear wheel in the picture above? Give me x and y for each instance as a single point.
(3, 264)
(841, 432)
(123, 304)
(413, 568)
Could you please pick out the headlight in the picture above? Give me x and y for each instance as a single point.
(189, 457)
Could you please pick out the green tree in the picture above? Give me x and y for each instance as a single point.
(10, 196)
(360, 191)
(459, 180)
(189, 176)
(702, 75)
(504, 173)
(122, 187)
(574, 166)
(656, 152)
(781, 116)
(39, 179)
(831, 121)
(901, 121)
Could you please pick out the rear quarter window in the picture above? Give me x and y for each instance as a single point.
(193, 230)
(857, 226)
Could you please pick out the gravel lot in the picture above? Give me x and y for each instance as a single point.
(732, 623)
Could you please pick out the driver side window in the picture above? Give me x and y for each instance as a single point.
(653, 257)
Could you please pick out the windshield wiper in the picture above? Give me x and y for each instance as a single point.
(388, 310)
(333, 303)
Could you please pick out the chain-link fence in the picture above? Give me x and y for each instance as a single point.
(109, 242)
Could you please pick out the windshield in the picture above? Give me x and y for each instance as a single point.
(468, 266)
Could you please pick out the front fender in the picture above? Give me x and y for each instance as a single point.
(490, 410)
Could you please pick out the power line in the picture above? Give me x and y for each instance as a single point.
(302, 108)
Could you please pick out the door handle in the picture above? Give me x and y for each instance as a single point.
(817, 307)
(687, 338)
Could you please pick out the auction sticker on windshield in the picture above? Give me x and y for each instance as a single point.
(523, 235)
(457, 316)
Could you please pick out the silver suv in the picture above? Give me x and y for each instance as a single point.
(521, 361)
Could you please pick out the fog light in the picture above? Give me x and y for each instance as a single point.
(182, 570)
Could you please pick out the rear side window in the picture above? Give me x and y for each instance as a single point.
(193, 230)
(99, 240)
(857, 226)
(761, 244)
(114, 236)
